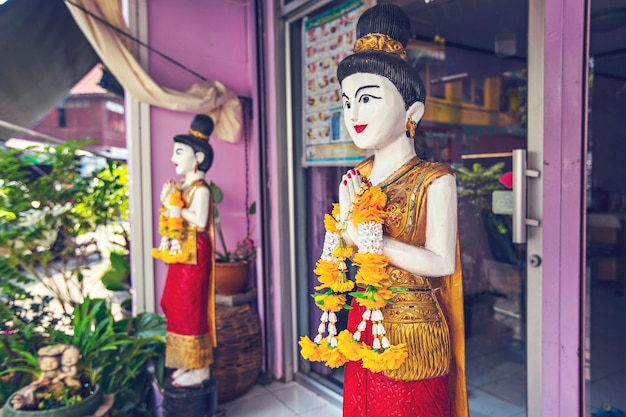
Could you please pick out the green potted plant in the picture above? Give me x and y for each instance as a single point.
(116, 357)
(232, 267)
(46, 206)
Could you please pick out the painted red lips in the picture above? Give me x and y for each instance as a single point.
(359, 128)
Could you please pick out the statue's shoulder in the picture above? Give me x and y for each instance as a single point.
(436, 169)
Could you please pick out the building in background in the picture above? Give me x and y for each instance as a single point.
(89, 112)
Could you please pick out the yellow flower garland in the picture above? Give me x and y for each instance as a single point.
(172, 227)
(368, 207)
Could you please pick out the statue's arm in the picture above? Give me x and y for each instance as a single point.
(198, 212)
(438, 256)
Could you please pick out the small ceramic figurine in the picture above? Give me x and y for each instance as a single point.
(403, 349)
(69, 359)
(186, 224)
(48, 360)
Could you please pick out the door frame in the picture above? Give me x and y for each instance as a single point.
(557, 139)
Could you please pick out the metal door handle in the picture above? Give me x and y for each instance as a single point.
(520, 172)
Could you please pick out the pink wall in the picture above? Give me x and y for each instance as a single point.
(213, 39)
(217, 39)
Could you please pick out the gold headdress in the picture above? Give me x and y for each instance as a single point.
(198, 134)
(379, 42)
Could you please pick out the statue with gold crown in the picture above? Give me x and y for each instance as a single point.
(396, 219)
(187, 246)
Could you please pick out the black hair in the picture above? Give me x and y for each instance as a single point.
(387, 19)
(202, 124)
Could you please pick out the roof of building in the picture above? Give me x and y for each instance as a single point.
(89, 83)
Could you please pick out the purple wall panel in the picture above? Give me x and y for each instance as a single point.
(562, 215)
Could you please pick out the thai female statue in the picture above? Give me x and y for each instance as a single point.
(396, 219)
(187, 246)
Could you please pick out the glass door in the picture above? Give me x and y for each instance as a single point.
(473, 59)
(605, 343)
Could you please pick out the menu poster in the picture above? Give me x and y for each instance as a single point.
(327, 39)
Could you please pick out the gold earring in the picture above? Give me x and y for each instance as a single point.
(195, 167)
(410, 127)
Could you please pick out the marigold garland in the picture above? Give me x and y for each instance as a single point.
(368, 214)
(171, 228)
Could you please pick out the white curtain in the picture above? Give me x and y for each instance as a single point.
(117, 53)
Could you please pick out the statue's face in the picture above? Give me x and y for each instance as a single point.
(184, 158)
(70, 357)
(48, 363)
(374, 111)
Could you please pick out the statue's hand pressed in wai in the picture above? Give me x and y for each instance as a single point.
(350, 184)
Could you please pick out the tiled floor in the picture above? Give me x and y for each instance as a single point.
(280, 400)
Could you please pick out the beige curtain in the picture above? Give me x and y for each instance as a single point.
(117, 53)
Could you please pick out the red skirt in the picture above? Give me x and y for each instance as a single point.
(372, 394)
(186, 294)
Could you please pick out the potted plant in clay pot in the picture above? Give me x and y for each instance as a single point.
(232, 268)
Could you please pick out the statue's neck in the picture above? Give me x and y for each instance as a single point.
(389, 159)
(191, 177)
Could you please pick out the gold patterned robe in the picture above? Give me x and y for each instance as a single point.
(428, 317)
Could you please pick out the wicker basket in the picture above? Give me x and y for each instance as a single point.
(237, 358)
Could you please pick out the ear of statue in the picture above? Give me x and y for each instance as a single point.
(416, 111)
(200, 157)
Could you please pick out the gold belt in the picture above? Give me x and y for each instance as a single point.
(404, 279)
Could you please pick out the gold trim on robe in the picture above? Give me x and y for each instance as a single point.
(188, 352)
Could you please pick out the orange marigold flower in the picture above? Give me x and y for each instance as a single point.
(372, 259)
(157, 254)
(175, 222)
(324, 348)
(335, 212)
(176, 199)
(349, 347)
(344, 286)
(371, 276)
(176, 258)
(309, 349)
(330, 301)
(372, 269)
(163, 223)
(394, 356)
(330, 224)
(371, 360)
(371, 299)
(370, 207)
(327, 273)
(333, 358)
(342, 252)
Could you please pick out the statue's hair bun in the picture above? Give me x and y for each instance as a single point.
(387, 19)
